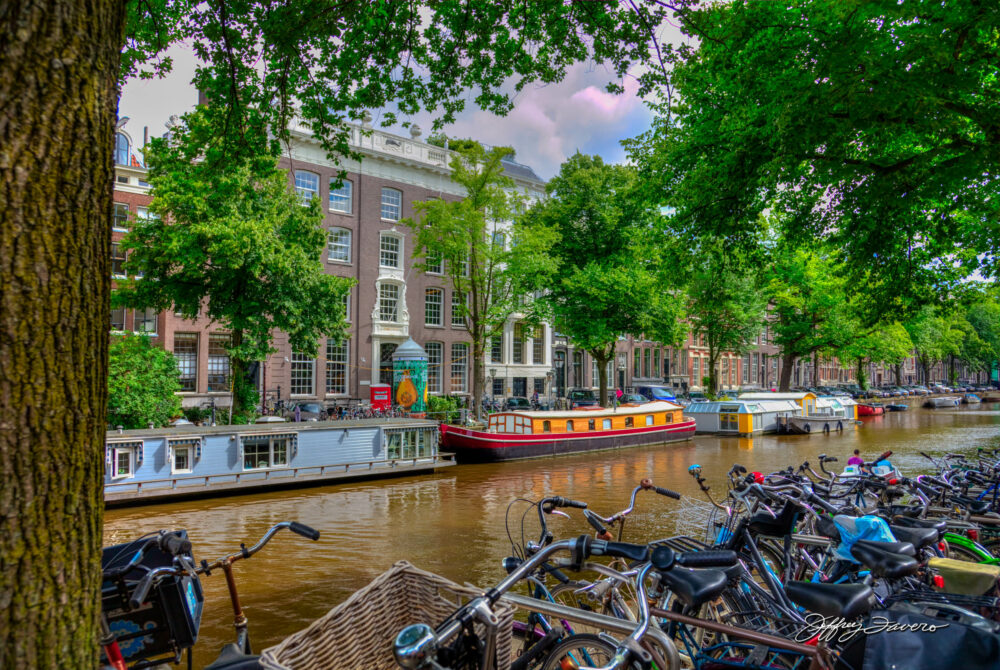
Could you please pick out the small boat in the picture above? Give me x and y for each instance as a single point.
(943, 401)
(804, 425)
(870, 410)
(515, 435)
(896, 407)
(971, 399)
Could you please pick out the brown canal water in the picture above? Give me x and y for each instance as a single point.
(452, 522)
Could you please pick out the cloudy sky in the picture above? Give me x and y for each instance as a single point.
(548, 123)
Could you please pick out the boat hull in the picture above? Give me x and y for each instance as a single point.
(943, 401)
(804, 425)
(870, 410)
(477, 446)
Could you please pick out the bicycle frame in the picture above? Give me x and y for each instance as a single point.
(985, 557)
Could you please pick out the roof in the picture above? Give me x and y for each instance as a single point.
(409, 350)
(519, 171)
(744, 406)
(283, 427)
(658, 406)
(798, 395)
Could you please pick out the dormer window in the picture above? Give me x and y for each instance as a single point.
(122, 149)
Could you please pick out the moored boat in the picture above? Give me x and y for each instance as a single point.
(896, 407)
(814, 424)
(971, 399)
(943, 401)
(514, 435)
(865, 409)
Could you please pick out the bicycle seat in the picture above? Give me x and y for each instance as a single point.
(974, 506)
(832, 600)
(882, 560)
(827, 528)
(918, 537)
(231, 658)
(940, 525)
(695, 587)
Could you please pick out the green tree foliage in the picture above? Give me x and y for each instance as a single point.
(142, 384)
(935, 337)
(886, 344)
(984, 317)
(488, 257)
(606, 282)
(726, 303)
(873, 124)
(231, 242)
(810, 305)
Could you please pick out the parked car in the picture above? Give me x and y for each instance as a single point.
(517, 403)
(636, 398)
(581, 398)
(657, 393)
(308, 411)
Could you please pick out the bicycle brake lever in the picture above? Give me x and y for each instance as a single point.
(559, 512)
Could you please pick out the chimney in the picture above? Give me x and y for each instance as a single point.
(145, 136)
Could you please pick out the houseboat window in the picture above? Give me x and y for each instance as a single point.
(629, 422)
(123, 463)
(393, 442)
(649, 419)
(569, 426)
(261, 451)
(606, 424)
(670, 417)
(182, 459)
(410, 444)
(590, 424)
(546, 426)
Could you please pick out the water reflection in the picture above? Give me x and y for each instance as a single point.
(452, 523)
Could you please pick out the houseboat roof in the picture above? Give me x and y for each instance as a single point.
(777, 396)
(281, 427)
(742, 406)
(655, 406)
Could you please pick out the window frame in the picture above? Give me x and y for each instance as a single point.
(331, 364)
(339, 230)
(193, 362)
(301, 191)
(294, 384)
(435, 373)
(120, 213)
(174, 470)
(120, 260)
(258, 440)
(439, 305)
(338, 192)
(382, 251)
(458, 321)
(398, 206)
(213, 373)
(141, 317)
(384, 286)
(458, 372)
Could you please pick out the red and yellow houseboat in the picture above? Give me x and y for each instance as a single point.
(512, 435)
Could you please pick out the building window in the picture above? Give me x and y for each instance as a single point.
(118, 319)
(577, 368)
(433, 306)
(121, 149)
(389, 251)
(186, 355)
(302, 374)
(433, 350)
(518, 353)
(336, 367)
(264, 452)
(392, 204)
(218, 363)
(388, 302)
(636, 362)
(696, 370)
(347, 305)
(340, 197)
(145, 321)
(339, 245)
(306, 186)
(656, 363)
(498, 387)
(459, 366)
(539, 385)
(746, 368)
(496, 349)
(463, 268)
(123, 462)
(117, 260)
(646, 359)
(458, 309)
(538, 346)
(435, 264)
(119, 217)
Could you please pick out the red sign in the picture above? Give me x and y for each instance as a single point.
(381, 396)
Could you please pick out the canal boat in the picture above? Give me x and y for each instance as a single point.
(156, 464)
(971, 399)
(943, 401)
(865, 409)
(740, 416)
(896, 407)
(516, 435)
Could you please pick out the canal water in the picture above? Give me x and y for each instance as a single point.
(452, 522)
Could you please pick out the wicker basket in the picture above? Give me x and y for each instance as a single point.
(359, 632)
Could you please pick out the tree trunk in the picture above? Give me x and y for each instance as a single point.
(815, 368)
(787, 362)
(602, 359)
(478, 359)
(899, 374)
(58, 93)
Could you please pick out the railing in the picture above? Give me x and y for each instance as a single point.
(247, 477)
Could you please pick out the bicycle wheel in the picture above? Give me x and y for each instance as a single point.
(582, 649)
(960, 553)
(567, 594)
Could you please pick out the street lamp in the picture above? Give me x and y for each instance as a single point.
(550, 376)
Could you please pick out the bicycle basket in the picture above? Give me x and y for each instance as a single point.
(359, 632)
(169, 620)
(721, 524)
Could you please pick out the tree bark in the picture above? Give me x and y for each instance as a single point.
(815, 368)
(59, 76)
(787, 362)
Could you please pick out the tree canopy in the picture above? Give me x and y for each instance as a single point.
(606, 280)
(142, 384)
(871, 124)
(231, 242)
(489, 257)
